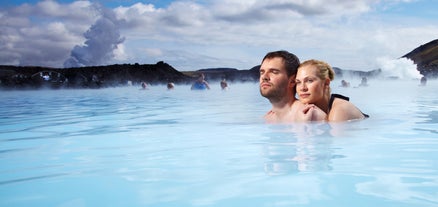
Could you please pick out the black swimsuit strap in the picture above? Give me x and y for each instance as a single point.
(332, 98)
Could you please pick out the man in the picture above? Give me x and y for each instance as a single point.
(277, 84)
(200, 84)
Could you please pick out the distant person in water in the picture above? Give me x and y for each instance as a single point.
(423, 81)
(363, 82)
(144, 86)
(313, 87)
(345, 84)
(277, 84)
(45, 76)
(170, 86)
(200, 83)
(224, 84)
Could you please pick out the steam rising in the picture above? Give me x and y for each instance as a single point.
(401, 68)
(101, 40)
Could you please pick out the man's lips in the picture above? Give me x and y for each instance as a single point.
(265, 85)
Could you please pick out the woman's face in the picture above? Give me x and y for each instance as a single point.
(310, 88)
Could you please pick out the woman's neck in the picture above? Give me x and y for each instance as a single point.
(324, 103)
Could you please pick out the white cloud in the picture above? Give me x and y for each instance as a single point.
(329, 30)
(119, 53)
(42, 34)
(347, 34)
(50, 8)
(153, 52)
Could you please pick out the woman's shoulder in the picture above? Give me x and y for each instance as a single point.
(339, 103)
(343, 110)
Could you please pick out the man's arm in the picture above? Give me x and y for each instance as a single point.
(206, 84)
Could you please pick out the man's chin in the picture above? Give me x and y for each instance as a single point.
(266, 94)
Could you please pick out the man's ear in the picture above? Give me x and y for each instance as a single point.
(292, 80)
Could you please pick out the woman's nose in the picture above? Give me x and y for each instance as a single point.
(302, 87)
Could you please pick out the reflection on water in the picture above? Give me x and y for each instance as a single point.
(427, 111)
(299, 148)
(401, 187)
(211, 148)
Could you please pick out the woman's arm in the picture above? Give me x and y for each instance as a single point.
(313, 113)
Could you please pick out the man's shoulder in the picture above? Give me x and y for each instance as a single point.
(270, 116)
(296, 105)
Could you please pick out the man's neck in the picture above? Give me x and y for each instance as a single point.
(280, 109)
(282, 104)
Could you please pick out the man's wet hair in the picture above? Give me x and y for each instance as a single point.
(291, 61)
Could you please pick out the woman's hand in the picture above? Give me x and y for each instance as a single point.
(313, 113)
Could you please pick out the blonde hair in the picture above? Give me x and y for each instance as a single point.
(324, 69)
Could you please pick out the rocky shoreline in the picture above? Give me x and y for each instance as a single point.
(20, 77)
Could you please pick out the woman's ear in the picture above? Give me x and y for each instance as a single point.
(327, 84)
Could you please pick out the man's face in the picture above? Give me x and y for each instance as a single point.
(274, 82)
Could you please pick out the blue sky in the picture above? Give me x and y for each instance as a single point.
(190, 35)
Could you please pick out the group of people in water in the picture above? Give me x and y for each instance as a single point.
(170, 86)
(199, 84)
(202, 84)
(363, 83)
(297, 91)
(282, 77)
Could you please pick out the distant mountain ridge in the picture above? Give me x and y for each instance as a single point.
(18, 77)
(426, 58)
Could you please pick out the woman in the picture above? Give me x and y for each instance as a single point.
(313, 87)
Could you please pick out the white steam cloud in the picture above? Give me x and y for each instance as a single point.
(102, 39)
(401, 68)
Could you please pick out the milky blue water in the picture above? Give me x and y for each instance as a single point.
(130, 147)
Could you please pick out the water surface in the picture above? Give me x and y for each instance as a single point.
(131, 147)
